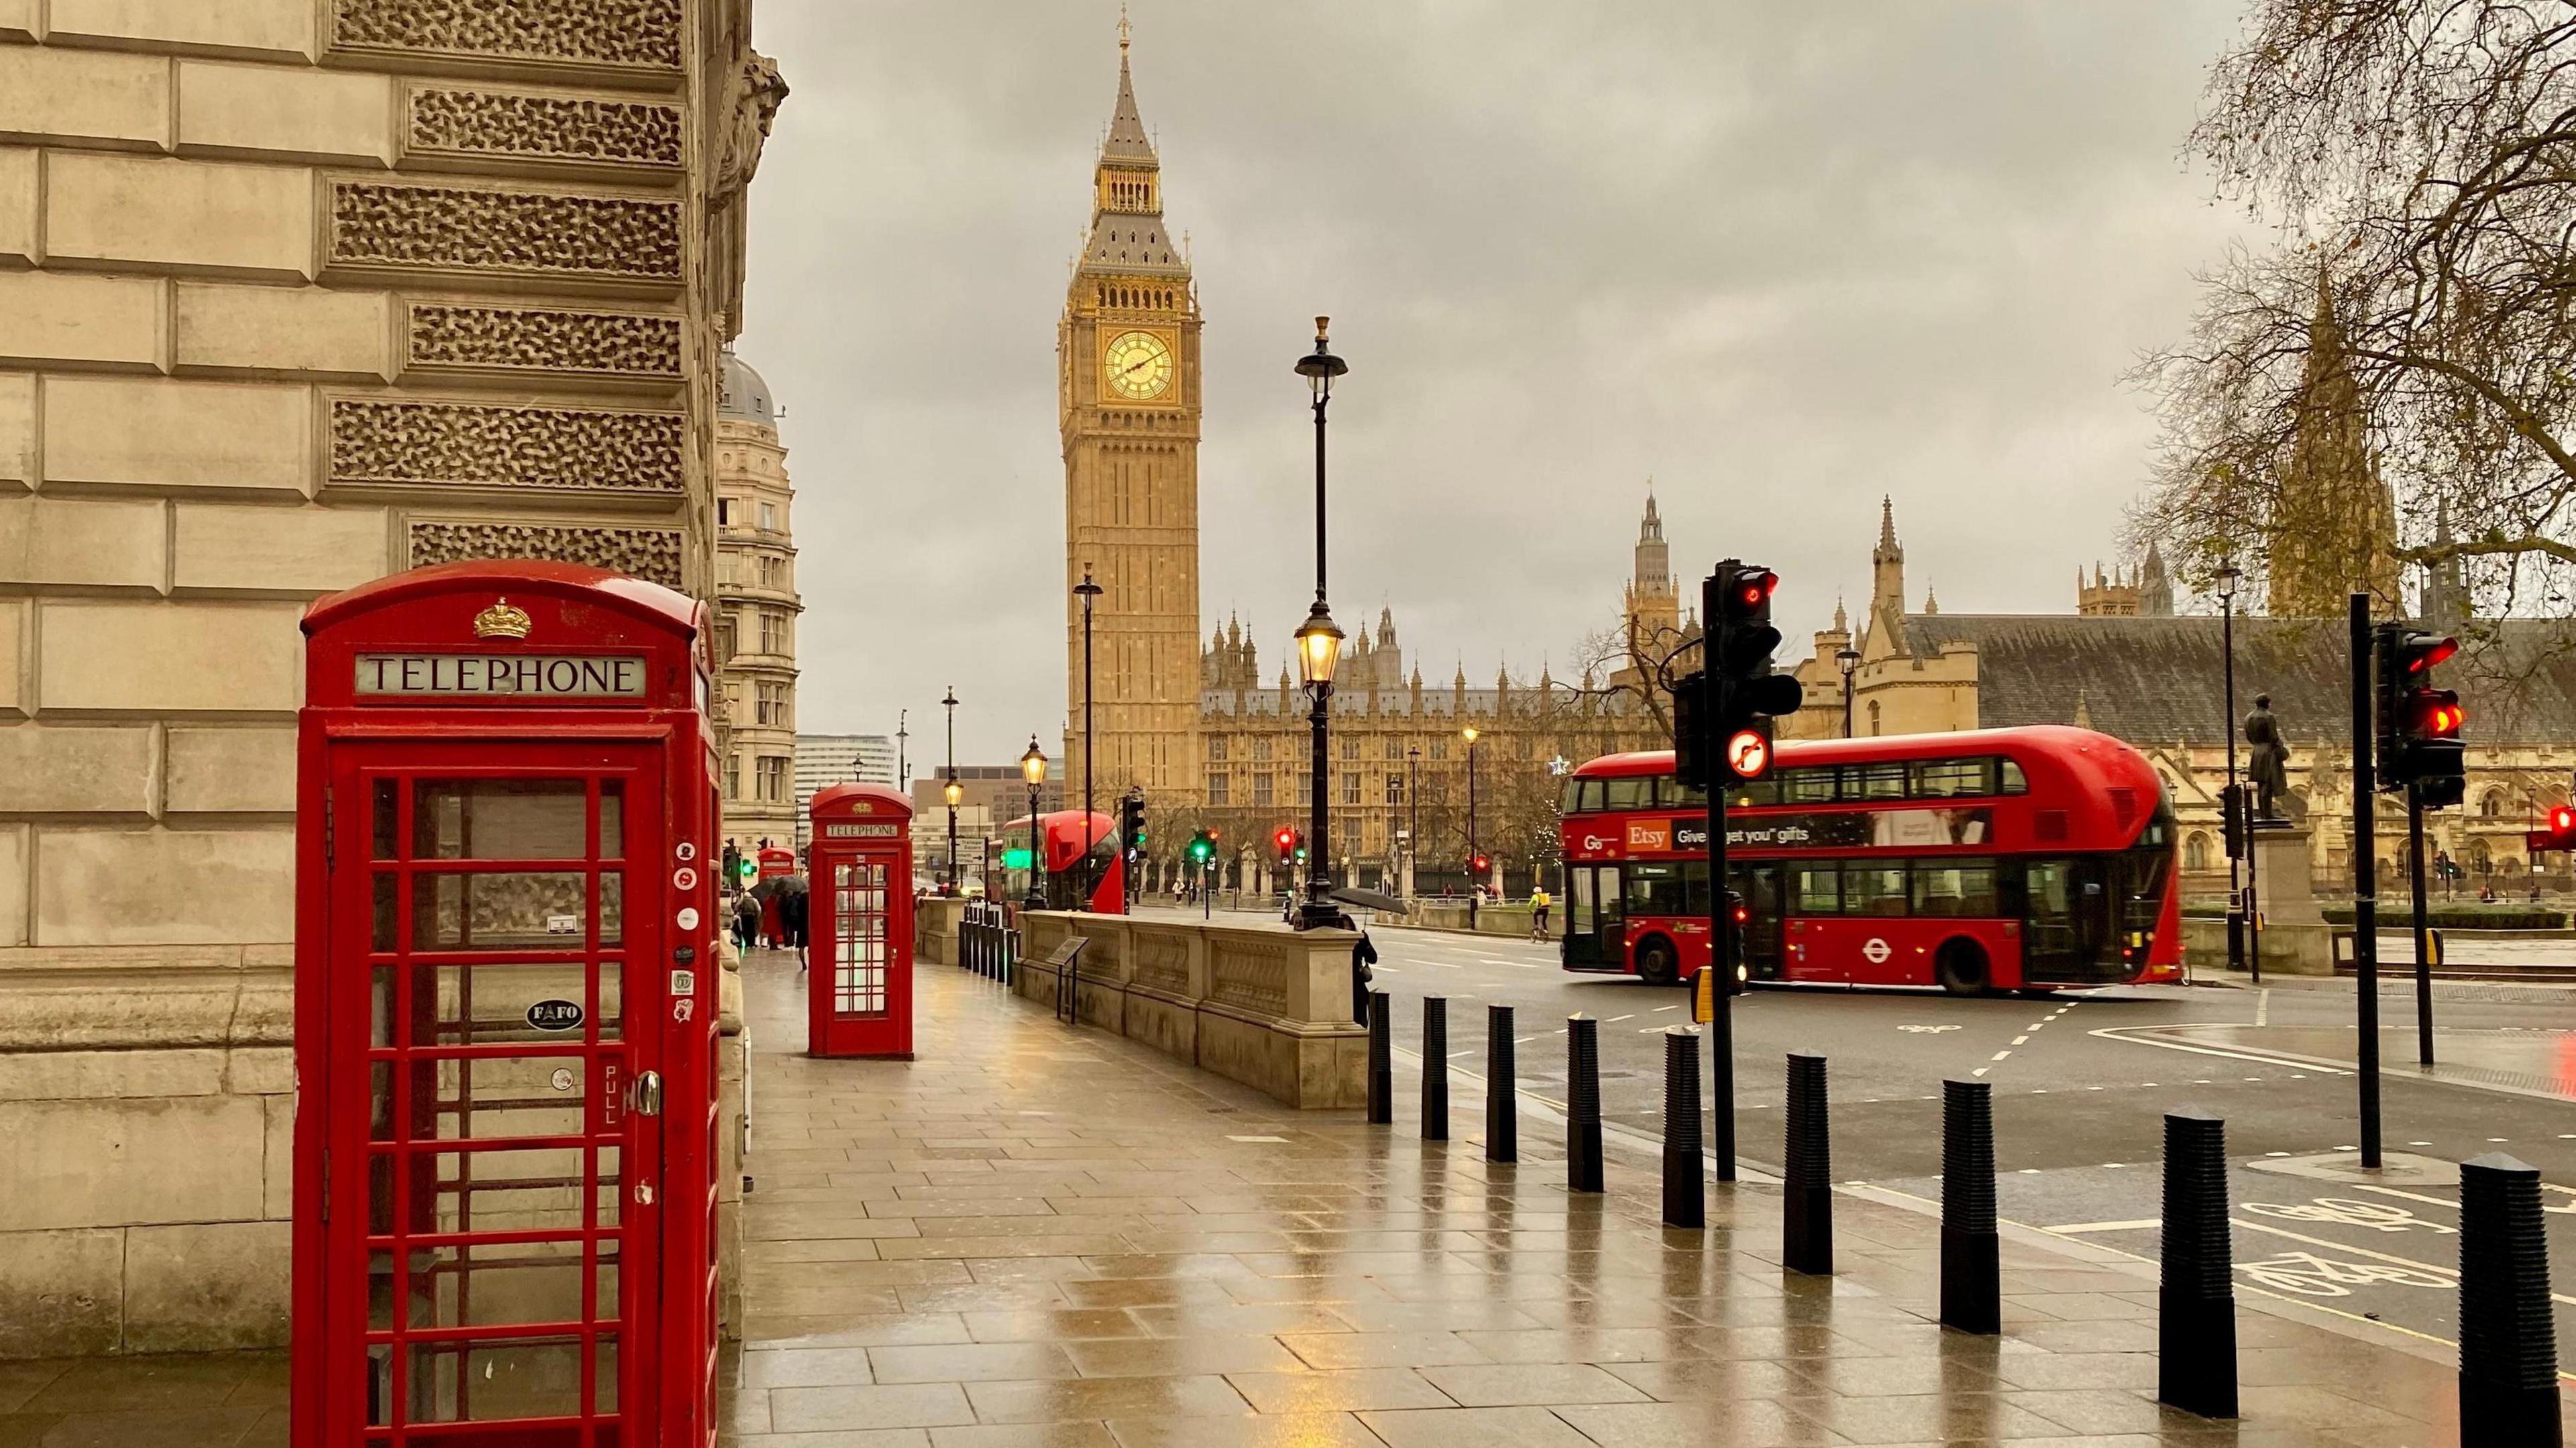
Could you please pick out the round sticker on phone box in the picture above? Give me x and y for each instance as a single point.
(686, 852)
(689, 919)
(684, 878)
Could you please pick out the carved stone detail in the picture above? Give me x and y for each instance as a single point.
(509, 124)
(472, 229)
(459, 443)
(623, 33)
(443, 336)
(648, 553)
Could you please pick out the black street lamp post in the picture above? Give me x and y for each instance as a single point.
(1847, 659)
(2241, 911)
(1475, 885)
(1033, 768)
(1088, 591)
(1319, 648)
(952, 793)
(1413, 830)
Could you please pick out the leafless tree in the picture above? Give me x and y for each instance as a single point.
(1639, 672)
(2418, 158)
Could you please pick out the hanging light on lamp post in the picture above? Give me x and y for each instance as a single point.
(1319, 649)
(1847, 659)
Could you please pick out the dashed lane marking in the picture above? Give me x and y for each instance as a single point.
(2140, 1225)
(2018, 1041)
(1668, 1008)
(1999, 1055)
(1614, 1020)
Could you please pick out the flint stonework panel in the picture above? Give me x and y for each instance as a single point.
(240, 769)
(648, 553)
(529, 342)
(115, 1163)
(483, 233)
(283, 331)
(161, 433)
(71, 319)
(162, 658)
(74, 769)
(205, 217)
(62, 1293)
(58, 95)
(494, 446)
(641, 37)
(84, 543)
(206, 1287)
(164, 887)
(461, 126)
(270, 113)
(243, 549)
(274, 29)
(18, 206)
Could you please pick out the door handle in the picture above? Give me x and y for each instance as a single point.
(644, 1096)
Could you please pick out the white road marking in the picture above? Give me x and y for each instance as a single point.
(1668, 1008)
(2262, 1004)
(1980, 1071)
(2141, 1225)
(2121, 1033)
(2452, 1270)
(2021, 1040)
(1999, 1055)
(1614, 1020)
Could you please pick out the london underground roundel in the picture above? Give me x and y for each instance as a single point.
(1748, 754)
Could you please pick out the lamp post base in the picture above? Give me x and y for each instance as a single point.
(1318, 915)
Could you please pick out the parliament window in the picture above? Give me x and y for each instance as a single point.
(1394, 748)
(1260, 749)
(1217, 782)
(1350, 747)
(1350, 788)
(1261, 787)
(1216, 746)
(1440, 747)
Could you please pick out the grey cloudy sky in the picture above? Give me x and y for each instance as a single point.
(1784, 257)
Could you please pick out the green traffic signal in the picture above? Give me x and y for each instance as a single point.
(1015, 859)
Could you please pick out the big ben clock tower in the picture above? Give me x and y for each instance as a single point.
(1127, 368)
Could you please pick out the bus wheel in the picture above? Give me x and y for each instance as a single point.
(1656, 962)
(1961, 967)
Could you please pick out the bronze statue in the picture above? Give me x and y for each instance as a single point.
(2267, 760)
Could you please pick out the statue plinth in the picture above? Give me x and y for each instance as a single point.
(2296, 939)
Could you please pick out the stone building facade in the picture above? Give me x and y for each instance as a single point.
(293, 294)
(2157, 680)
(756, 610)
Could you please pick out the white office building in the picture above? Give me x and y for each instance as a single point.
(823, 759)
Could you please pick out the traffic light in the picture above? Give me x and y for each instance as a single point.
(1690, 711)
(1131, 824)
(1286, 840)
(2561, 834)
(2232, 821)
(1202, 848)
(732, 859)
(2419, 725)
(1739, 695)
(1301, 848)
(744, 867)
(1482, 863)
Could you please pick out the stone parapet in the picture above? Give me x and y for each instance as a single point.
(1266, 1007)
(934, 929)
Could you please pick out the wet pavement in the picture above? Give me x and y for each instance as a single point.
(1034, 1234)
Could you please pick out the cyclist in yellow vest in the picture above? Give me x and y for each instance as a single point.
(1538, 912)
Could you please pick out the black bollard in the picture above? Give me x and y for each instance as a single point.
(1583, 1104)
(1971, 1253)
(1502, 1098)
(1381, 1065)
(1685, 1191)
(1435, 1068)
(1807, 1171)
(2508, 1342)
(2196, 1301)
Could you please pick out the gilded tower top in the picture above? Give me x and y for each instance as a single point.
(1127, 234)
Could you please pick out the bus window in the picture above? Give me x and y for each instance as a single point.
(1873, 781)
(1765, 790)
(1589, 801)
(1682, 796)
(1636, 792)
(1807, 786)
(2013, 783)
(1656, 890)
(1952, 778)
(1572, 801)
(1815, 888)
(1954, 888)
(1873, 889)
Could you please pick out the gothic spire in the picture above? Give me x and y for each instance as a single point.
(1127, 139)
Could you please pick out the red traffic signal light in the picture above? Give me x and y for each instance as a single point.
(2420, 652)
(2563, 819)
(1285, 838)
(2561, 834)
(1740, 914)
(1750, 590)
(1482, 864)
(2438, 714)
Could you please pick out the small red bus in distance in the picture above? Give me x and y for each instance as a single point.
(1995, 859)
(1097, 883)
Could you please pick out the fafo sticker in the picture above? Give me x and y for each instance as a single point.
(555, 1015)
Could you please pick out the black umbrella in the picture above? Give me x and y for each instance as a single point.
(1369, 899)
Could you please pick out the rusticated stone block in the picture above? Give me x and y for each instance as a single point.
(66, 319)
(84, 542)
(18, 206)
(270, 29)
(276, 331)
(238, 549)
(163, 433)
(165, 657)
(164, 887)
(17, 428)
(84, 97)
(62, 1293)
(206, 217)
(235, 769)
(206, 1287)
(481, 444)
(480, 231)
(274, 113)
(76, 769)
(96, 1075)
(454, 337)
(641, 35)
(114, 1163)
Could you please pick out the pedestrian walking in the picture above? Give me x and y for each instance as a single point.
(1363, 955)
(791, 922)
(1538, 912)
(746, 921)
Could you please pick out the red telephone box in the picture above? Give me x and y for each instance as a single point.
(859, 976)
(773, 862)
(505, 1003)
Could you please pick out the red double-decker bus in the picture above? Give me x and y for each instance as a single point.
(1084, 869)
(1999, 859)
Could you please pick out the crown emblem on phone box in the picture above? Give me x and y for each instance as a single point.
(503, 620)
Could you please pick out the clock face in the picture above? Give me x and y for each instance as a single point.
(1138, 365)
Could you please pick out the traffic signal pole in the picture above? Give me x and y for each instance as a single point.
(2365, 882)
(1721, 924)
(2423, 934)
